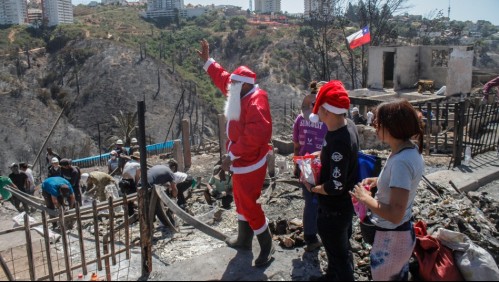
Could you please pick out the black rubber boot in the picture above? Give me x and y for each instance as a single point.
(244, 236)
(266, 249)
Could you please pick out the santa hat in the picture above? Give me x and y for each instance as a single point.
(244, 74)
(333, 97)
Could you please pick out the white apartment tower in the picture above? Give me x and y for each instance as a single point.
(57, 12)
(164, 8)
(13, 12)
(314, 6)
(268, 6)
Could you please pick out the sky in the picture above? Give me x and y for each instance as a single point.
(461, 10)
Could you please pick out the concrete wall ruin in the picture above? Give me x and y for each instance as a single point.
(445, 65)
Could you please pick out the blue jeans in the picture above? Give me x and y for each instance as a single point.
(310, 216)
(335, 230)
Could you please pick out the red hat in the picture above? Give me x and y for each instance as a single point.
(244, 74)
(333, 97)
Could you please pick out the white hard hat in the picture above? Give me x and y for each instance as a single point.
(55, 160)
(119, 142)
(134, 140)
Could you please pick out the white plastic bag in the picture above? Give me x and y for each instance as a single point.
(475, 263)
(19, 219)
(54, 237)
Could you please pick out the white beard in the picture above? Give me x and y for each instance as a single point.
(233, 105)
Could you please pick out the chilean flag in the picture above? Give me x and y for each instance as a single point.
(359, 38)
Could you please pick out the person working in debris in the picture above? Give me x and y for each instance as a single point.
(121, 154)
(183, 182)
(308, 138)
(20, 180)
(134, 146)
(249, 131)
(6, 195)
(50, 157)
(72, 174)
(357, 117)
(338, 176)
(24, 167)
(112, 163)
(396, 123)
(96, 182)
(55, 168)
(55, 190)
(131, 177)
(219, 188)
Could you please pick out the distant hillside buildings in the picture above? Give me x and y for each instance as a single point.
(53, 11)
(13, 12)
(57, 12)
(267, 6)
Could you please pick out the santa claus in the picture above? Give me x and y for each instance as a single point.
(249, 130)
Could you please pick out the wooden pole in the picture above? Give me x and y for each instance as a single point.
(29, 247)
(186, 144)
(127, 226)
(145, 229)
(65, 246)
(96, 235)
(111, 229)
(80, 238)
(47, 245)
(178, 154)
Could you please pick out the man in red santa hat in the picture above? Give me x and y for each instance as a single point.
(338, 177)
(249, 130)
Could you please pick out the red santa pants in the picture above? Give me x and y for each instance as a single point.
(247, 188)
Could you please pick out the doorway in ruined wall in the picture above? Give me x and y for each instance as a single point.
(388, 69)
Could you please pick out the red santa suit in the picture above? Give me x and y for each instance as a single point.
(248, 143)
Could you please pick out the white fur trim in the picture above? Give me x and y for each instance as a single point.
(334, 110)
(314, 118)
(232, 157)
(241, 217)
(250, 168)
(242, 78)
(208, 63)
(263, 228)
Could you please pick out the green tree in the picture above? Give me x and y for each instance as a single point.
(238, 22)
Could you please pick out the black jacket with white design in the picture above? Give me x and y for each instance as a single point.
(339, 166)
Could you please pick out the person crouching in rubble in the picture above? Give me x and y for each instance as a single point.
(183, 182)
(96, 182)
(6, 195)
(338, 175)
(396, 123)
(55, 190)
(219, 188)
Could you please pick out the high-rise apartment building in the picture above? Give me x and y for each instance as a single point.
(13, 12)
(165, 8)
(57, 12)
(268, 6)
(315, 6)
